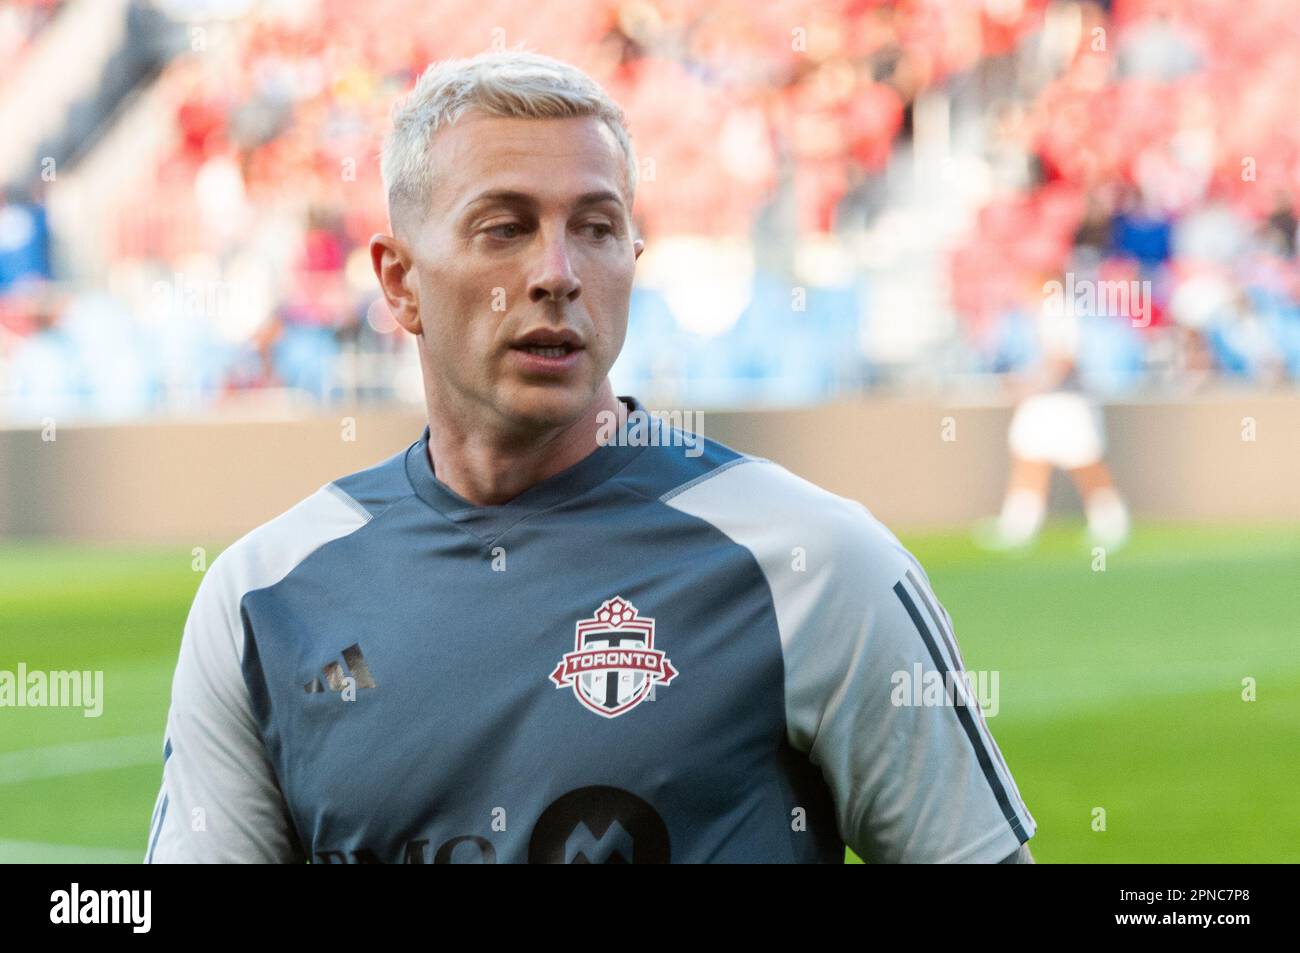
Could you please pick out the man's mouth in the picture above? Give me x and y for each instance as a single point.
(549, 342)
(548, 352)
(558, 350)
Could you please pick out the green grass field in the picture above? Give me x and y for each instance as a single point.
(1119, 690)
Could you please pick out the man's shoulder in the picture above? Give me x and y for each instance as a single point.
(778, 513)
(273, 549)
(378, 487)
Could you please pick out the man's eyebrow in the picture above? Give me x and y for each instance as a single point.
(597, 198)
(524, 200)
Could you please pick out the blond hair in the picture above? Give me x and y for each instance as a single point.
(512, 84)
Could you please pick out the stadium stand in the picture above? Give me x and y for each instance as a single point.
(914, 175)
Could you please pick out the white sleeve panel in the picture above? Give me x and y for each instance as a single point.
(912, 782)
(219, 801)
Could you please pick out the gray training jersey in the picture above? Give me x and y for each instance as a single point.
(663, 653)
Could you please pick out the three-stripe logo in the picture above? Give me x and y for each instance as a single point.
(335, 675)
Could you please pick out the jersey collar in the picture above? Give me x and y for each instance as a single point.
(490, 521)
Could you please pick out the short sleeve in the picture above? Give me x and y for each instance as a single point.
(219, 801)
(862, 636)
(893, 719)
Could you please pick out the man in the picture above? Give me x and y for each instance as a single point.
(530, 636)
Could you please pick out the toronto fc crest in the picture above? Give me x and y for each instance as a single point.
(614, 665)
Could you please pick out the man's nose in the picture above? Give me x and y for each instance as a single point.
(555, 278)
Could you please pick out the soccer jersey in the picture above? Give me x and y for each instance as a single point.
(666, 652)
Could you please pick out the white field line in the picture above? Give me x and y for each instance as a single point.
(31, 852)
(81, 757)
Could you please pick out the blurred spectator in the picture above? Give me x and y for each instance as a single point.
(24, 242)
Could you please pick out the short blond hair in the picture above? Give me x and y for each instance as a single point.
(511, 84)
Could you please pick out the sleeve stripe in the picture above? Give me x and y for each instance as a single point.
(950, 640)
(158, 802)
(162, 816)
(964, 717)
(157, 806)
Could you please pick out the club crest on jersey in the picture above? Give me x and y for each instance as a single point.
(614, 664)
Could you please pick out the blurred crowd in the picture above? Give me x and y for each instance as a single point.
(1163, 157)
(20, 21)
(1142, 145)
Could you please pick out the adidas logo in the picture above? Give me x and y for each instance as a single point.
(354, 666)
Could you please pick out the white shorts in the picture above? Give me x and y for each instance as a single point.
(1063, 429)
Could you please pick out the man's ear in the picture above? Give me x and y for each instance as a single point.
(395, 271)
(639, 247)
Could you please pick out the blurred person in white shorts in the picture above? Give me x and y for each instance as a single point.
(1058, 425)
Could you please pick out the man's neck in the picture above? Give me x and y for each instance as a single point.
(489, 469)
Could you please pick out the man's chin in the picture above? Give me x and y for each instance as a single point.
(546, 406)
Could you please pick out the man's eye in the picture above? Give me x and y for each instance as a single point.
(601, 230)
(496, 231)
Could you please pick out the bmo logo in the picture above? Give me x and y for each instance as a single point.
(599, 825)
(591, 825)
